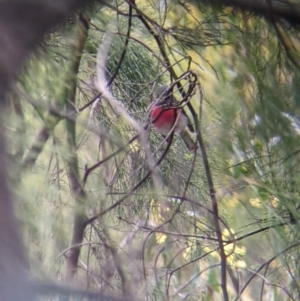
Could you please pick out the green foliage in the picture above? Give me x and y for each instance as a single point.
(153, 233)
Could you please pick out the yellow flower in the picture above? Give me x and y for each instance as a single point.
(227, 234)
(241, 264)
(274, 201)
(160, 238)
(233, 251)
(134, 146)
(190, 249)
(233, 201)
(156, 219)
(255, 202)
(240, 250)
(213, 254)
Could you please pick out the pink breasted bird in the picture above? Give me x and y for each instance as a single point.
(166, 113)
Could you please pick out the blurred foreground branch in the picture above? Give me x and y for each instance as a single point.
(22, 26)
(286, 10)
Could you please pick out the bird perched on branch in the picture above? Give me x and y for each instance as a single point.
(166, 115)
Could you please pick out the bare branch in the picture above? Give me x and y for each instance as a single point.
(71, 157)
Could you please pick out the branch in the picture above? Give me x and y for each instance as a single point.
(54, 289)
(13, 261)
(287, 10)
(265, 264)
(36, 147)
(71, 158)
(215, 209)
(118, 65)
(51, 119)
(23, 24)
(129, 193)
(119, 108)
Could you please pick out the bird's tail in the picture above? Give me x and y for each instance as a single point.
(190, 143)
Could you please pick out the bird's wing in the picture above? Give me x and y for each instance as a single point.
(167, 99)
(176, 104)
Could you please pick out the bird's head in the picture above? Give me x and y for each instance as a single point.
(162, 92)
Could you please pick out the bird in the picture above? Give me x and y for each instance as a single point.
(166, 113)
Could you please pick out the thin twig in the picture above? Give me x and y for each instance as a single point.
(101, 86)
(129, 193)
(215, 210)
(264, 265)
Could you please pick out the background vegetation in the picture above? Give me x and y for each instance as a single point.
(107, 206)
